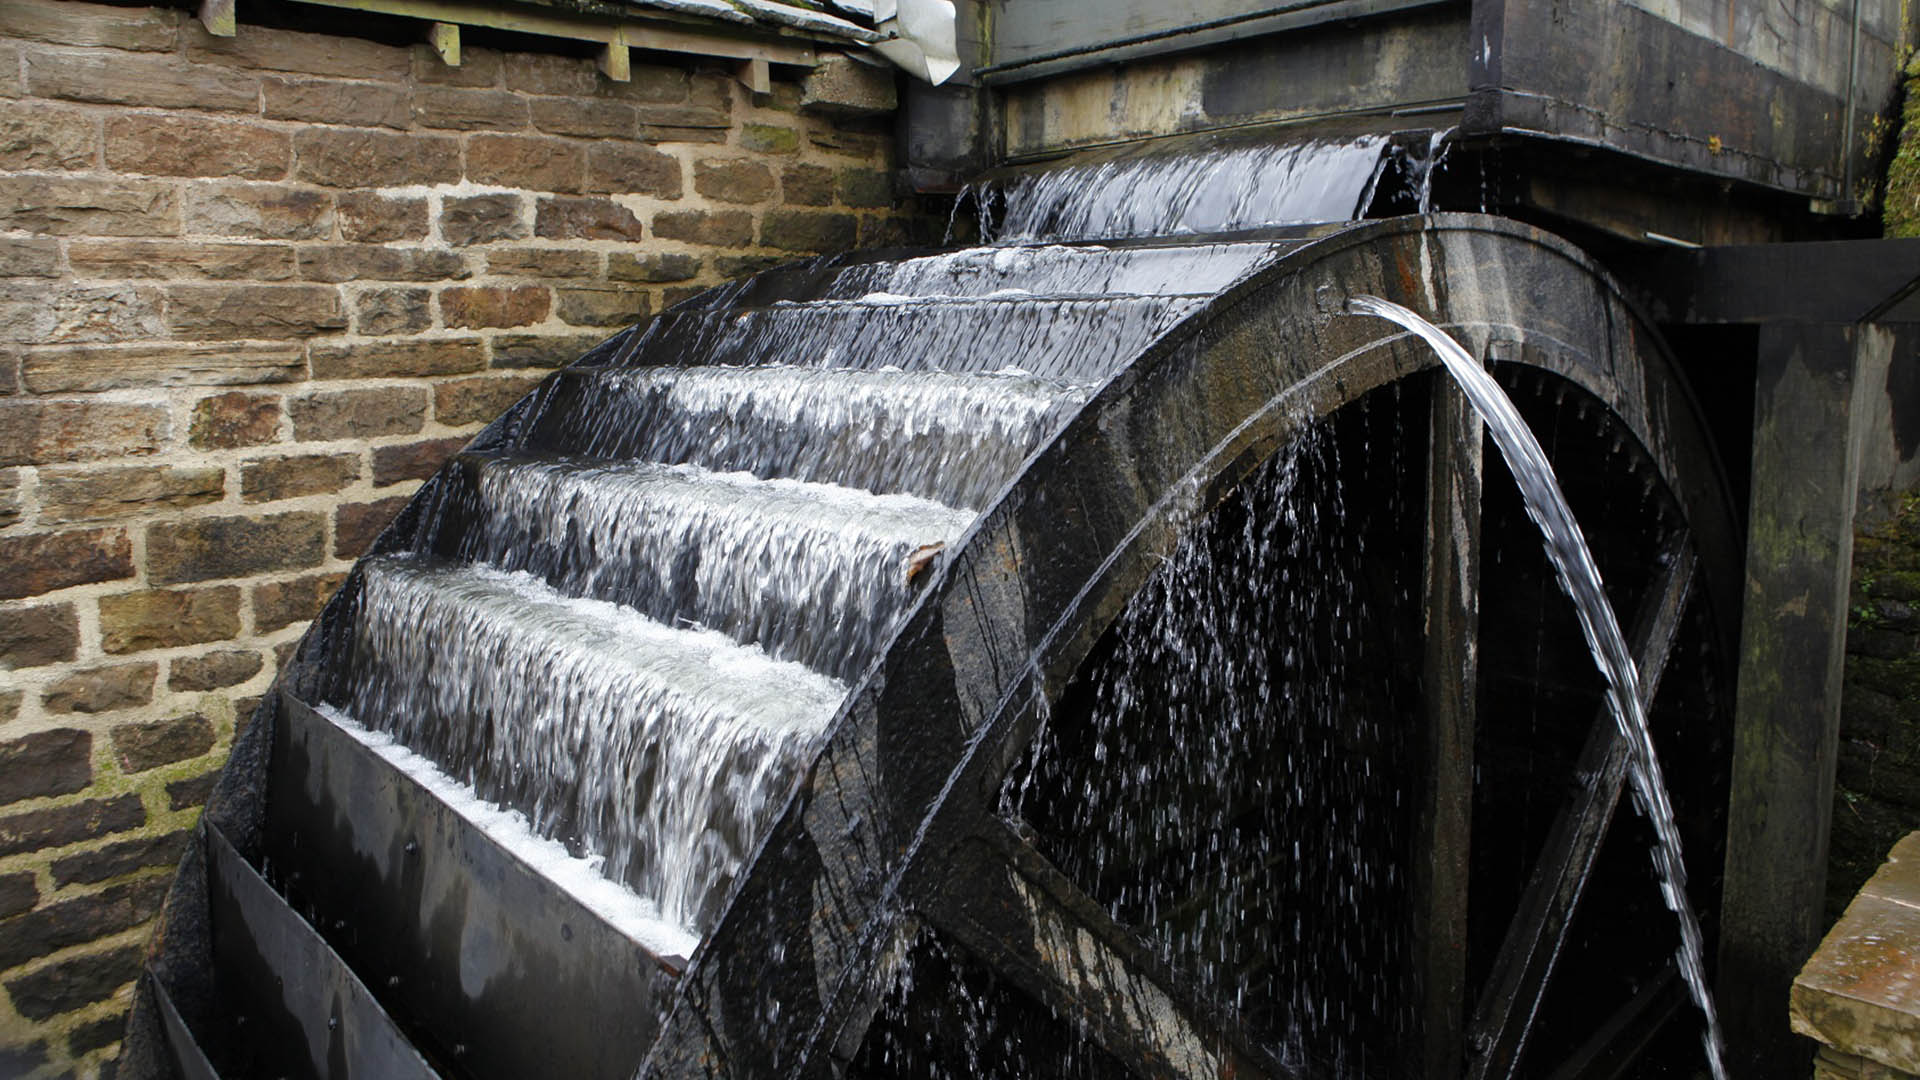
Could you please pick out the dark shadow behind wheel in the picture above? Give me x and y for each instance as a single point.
(973, 870)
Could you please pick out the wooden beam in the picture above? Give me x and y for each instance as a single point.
(756, 76)
(561, 24)
(445, 39)
(1451, 677)
(219, 18)
(1808, 430)
(616, 62)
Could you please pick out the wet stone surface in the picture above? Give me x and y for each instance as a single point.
(1860, 994)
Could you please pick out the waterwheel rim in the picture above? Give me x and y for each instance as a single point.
(793, 973)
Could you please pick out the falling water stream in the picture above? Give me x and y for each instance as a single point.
(1573, 563)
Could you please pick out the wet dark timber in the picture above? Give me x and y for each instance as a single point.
(1045, 659)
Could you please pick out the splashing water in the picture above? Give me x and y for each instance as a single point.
(1573, 563)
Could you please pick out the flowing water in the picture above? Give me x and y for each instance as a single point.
(1573, 563)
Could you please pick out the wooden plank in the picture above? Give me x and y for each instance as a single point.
(555, 23)
(1524, 965)
(756, 76)
(1452, 567)
(219, 17)
(445, 39)
(1806, 462)
(1619, 1042)
(615, 61)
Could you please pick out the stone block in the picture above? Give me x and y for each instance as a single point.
(260, 211)
(586, 219)
(806, 185)
(42, 562)
(35, 138)
(482, 219)
(41, 432)
(37, 830)
(290, 50)
(653, 84)
(29, 256)
(479, 399)
(842, 86)
(629, 169)
(350, 158)
(467, 307)
(100, 313)
(11, 85)
(132, 29)
(44, 764)
(593, 118)
(191, 792)
(769, 139)
(214, 670)
(412, 461)
(253, 311)
(140, 747)
(541, 350)
(1860, 992)
(533, 162)
(96, 690)
(545, 263)
(207, 548)
(367, 217)
(478, 67)
(708, 228)
(68, 206)
(357, 525)
(89, 368)
(282, 603)
(733, 180)
(468, 110)
(17, 894)
(807, 231)
(82, 494)
(140, 81)
(234, 419)
(684, 124)
(601, 307)
(10, 701)
(868, 188)
(359, 413)
(383, 312)
(38, 635)
(73, 984)
(652, 267)
(85, 1038)
(545, 73)
(10, 511)
(120, 858)
(330, 101)
(735, 267)
(372, 262)
(177, 260)
(165, 618)
(196, 146)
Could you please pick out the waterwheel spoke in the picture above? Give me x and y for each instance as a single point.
(1618, 1042)
(1450, 677)
(1504, 1015)
(1007, 904)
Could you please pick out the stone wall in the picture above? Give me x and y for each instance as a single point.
(252, 291)
(1877, 788)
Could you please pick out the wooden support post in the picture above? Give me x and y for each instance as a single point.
(1807, 441)
(219, 18)
(615, 62)
(1451, 675)
(445, 39)
(756, 75)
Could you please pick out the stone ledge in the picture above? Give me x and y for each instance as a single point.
(1860, 993)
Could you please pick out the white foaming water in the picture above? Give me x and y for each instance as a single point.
(1074, 338)
(1572, 561)
(813, 573)
(1183, 190)
(1060, 270)
(955, 439)
(657, 749)
(578, 876)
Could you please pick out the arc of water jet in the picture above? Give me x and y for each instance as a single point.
(1573, 563)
